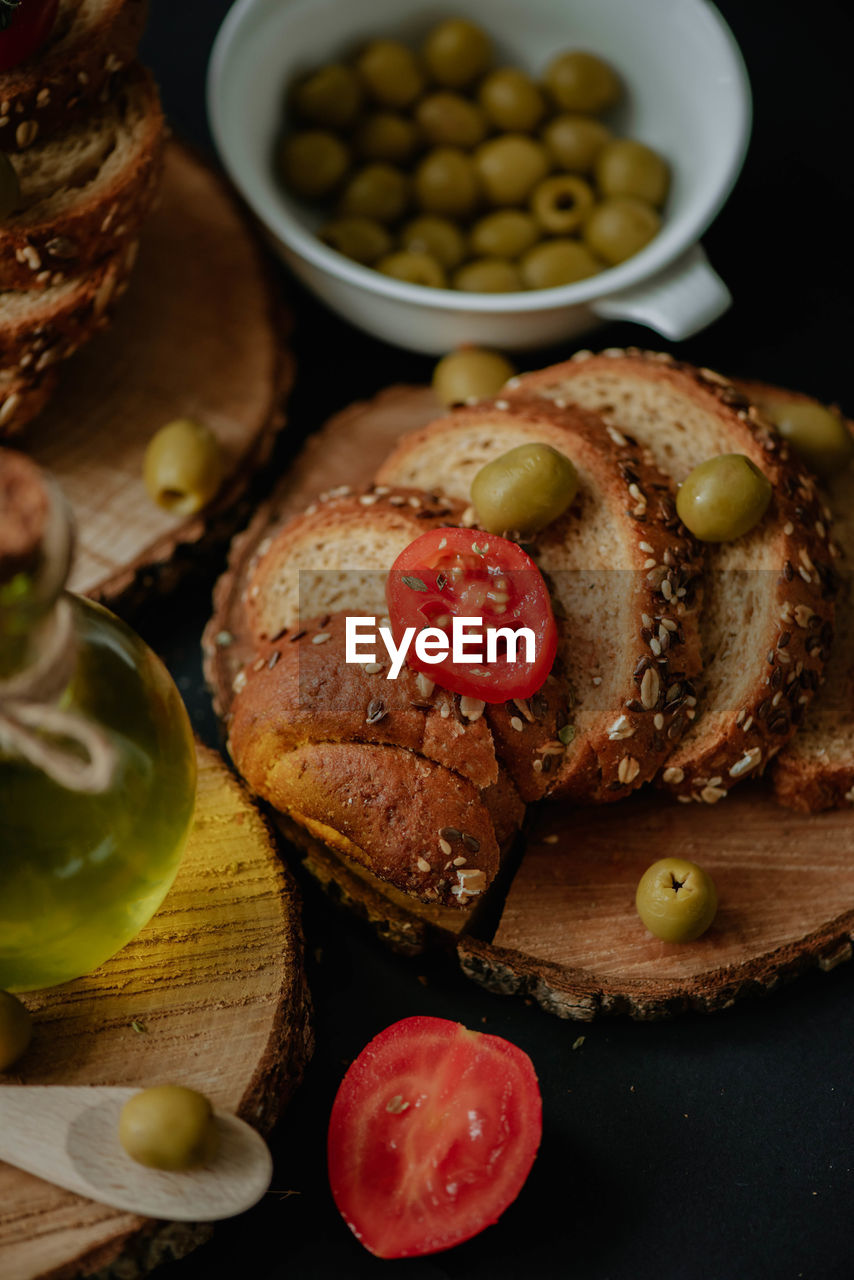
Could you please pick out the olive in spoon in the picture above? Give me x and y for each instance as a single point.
(68, 1135)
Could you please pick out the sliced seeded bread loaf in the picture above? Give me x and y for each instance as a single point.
(816, 769)
(335, 558)
(399, 782)
(90, 42)
(768, 597)
(85, 192)
(21, 398)
(623, 575)
(39, 327)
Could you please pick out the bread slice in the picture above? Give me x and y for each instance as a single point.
(336, 556)
(91, 41)
(22, 398)
(768, 597)
(816, 769)
(85, 192)
(39, 327)
(623, 575)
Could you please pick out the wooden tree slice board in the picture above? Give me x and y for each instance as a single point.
(216, 983)
(567, 932)
(199, 335)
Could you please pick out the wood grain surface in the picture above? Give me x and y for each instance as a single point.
(199, 335)
(211, 994)
(568, 935)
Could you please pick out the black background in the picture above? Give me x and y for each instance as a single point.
(715, 1146)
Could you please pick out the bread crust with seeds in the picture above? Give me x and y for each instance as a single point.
(23, 398)
(623, 519)
(685, 415)
(815, 770)
(89, 44)
(394, 778)
(62, 232)
(39, 328)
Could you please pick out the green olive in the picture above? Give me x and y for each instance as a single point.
(575, 141)
(625, 167)
(415, 268)
(391, 73)
(511, 100)
(446, 183)
(449, 120)
(510, 167)
(676, 900)
(439, 237)
(817, 433)
(384, 135)
(562, 203)
(557, 262)
(580, 81)
(524, 490)
(472, 373)
(168, 1127)
(378, 191)
(620, 227)
(330, 96)
(489, 275)
(457, 52)
(16, 1030)
(723, 498)
(362, 239)
(183, 467)
(313, 162)
(506, 233)
(10, 186)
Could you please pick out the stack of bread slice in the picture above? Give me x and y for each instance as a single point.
(82, 126)
(693, 668)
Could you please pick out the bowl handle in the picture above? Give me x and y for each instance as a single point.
(678, 302)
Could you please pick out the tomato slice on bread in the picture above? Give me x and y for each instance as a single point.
(463, 573)
(432, 1135)
(24, 27)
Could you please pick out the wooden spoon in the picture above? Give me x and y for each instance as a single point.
(69, 1136)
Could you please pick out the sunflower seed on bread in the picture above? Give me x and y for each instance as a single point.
(768, 611)
(90, 42)
(85, 192)
(816, 769)
(22, 398)
(622, 571)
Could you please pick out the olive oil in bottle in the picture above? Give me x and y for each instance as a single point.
(97, 765)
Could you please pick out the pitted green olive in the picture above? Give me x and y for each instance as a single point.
(620, 227)
(510, 166)
(362, 239)
(723, 498)
(489, 275)
(391, 73)
(449, 120)
(817, 433)
(575, 141)
(511, 99)
(457, 52)
(384, 135)
(523, 490)
(626, 167)
(561, 203)
(16, 1030)
(506, 233)
(183, 466)
(446, 183)
(378, 191)
(676, 900)
(330, 96)
(472, 373)
(557, 262)
(414, 268)
(168, 1127)
(439, 237)
(313, 162)
(580, 81)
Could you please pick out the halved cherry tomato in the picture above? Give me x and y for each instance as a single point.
(464, 573)
(24, 27)
(432, 1135)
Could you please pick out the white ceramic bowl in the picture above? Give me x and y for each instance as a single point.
(688, 96)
